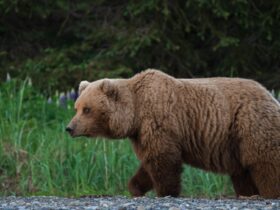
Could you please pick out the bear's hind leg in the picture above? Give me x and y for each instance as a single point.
(243, 184)
(140, 183)
(267, 179)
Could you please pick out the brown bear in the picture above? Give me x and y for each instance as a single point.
(224, 125)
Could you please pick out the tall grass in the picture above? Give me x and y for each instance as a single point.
(37, 157)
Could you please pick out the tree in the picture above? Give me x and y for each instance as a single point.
(66, 41)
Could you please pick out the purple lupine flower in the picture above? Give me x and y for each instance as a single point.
(49, 100)
(73, 95)
(68, 95)
(62, 100)
(8, 78)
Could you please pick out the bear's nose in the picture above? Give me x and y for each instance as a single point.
(68, 129)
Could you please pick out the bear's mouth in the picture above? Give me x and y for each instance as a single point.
(86, 135)
(74, 135)
(80, 135)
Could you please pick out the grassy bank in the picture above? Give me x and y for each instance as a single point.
(37, 157)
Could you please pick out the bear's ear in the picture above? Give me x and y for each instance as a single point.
(82, 86)
(109, 88)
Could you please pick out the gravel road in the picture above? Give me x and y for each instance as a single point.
(125, 203)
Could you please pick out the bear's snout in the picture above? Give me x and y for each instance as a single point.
(69, 130)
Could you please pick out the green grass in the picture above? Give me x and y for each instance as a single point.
(37, 157)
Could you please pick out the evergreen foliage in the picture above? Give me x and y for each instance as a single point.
(65, 41)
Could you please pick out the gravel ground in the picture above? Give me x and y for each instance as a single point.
(125, 203)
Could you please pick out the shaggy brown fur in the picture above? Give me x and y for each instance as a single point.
(229, 126)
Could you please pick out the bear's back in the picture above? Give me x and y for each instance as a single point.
(215, 112)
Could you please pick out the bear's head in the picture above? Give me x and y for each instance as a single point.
(103, 108)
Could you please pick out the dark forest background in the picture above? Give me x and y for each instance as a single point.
(58, 43)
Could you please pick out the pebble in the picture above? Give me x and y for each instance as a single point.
(140, 208)
(174, 208)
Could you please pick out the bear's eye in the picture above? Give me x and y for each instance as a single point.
(86, 110)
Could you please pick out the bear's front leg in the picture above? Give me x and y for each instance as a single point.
(165, 171)
(140, 183)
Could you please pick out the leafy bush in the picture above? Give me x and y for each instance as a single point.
(65, 41)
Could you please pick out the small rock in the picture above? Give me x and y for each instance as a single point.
(91, 207)
(140, 208)
(174, 208)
